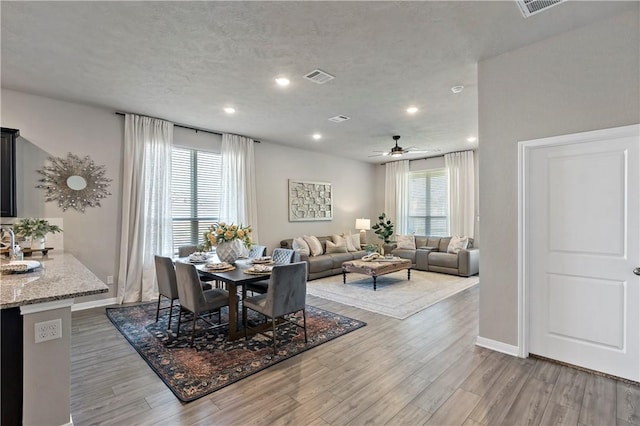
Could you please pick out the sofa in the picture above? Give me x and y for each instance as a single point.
(431, 255)
(325, 264)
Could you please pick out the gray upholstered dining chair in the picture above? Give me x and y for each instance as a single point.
(167, 286)
(184, 251)
(257, 251)
(280, 256)
(195, 300)
(286, 294)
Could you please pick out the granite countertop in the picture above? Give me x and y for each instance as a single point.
(61, 276)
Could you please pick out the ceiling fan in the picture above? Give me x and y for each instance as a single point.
(398, 151)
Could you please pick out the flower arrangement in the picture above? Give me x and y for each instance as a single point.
(34, 228)
(221, 232)
(384, 228)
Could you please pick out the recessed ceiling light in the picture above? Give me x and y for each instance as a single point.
(472, 139)
(229, 110)
(457, 89)
(282, 81)
(317, 136)
(412, 110)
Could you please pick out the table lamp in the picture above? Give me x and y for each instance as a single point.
(363, 225)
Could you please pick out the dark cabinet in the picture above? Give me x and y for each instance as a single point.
(8, 172)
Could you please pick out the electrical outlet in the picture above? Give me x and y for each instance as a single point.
(48, 330)
(109, 279)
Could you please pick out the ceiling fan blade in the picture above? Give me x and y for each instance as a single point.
(376, 155)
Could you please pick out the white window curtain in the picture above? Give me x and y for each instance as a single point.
(396, 194)
(238, 198)
(461, 192)
(146, 205)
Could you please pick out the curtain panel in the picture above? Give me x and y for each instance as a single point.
(238, 198)
(460, 167)
(146, 205)
(396, 194)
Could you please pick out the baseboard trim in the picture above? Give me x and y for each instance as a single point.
(93, 304)
(494, 345)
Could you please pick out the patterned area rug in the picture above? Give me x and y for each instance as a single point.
(395, 297)
(214, 362)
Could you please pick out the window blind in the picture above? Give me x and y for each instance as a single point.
(429, 203)
(195, 194)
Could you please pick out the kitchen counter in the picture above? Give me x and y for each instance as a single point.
(35, 338)
(61, 276)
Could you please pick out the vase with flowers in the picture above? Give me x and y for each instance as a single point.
(384, 230)
(230, 240)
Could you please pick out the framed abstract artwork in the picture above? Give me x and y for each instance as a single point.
(310, 201)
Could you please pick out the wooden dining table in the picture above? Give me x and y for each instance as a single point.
(233, 279)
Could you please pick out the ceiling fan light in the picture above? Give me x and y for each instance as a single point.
(396, 154)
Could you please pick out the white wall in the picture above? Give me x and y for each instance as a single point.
(354, 194)
(578, 81)
(52, 127)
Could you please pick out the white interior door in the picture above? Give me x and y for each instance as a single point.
(582, 203)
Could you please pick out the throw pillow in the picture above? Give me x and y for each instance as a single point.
(301, 246)
(406, 242)
(457, 243)
(355, 239)
(338, 239)
(336, 248)
(349, 242)
(314, 244)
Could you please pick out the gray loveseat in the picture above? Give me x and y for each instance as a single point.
(431, 255)
(324, 264)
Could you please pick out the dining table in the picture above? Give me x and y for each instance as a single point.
(237, 278)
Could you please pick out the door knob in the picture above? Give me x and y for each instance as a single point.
(637, 271)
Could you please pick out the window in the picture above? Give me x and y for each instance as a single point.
(195, 193)
(429, 203)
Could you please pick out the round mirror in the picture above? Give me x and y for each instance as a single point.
(76, 182)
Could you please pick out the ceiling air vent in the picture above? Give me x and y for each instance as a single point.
(531, 7)
(339, 118)
(319, 76)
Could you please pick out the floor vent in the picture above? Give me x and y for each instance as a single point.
(339, 118)
(319, 76)
(531, 7)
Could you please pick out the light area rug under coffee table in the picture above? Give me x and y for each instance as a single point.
(395, 296)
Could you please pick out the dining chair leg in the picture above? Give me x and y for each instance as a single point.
(273, 326)
(170, 315)
(244, 320)
(158, 308)
(193, 328)
(304, 323)
(179, 321)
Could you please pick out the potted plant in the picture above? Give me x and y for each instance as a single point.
(384, 230)
(36, 230)
(370, 248)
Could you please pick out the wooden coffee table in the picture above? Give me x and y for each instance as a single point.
(376, 268)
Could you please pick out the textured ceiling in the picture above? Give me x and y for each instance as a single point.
(185, 61)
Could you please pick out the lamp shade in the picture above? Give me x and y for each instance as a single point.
(363, 224)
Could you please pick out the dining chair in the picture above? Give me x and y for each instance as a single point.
(257, 251)
(184, 251)
(167, 286)
(196, 300)
(286, 294)
(280, 256)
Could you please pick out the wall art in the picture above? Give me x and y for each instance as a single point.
(310, 201)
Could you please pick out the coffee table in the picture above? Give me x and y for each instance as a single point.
(376, 268)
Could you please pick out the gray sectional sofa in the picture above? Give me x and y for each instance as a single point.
(431, 255)
(324, 264)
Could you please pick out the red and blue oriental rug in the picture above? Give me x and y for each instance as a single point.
(214, 362)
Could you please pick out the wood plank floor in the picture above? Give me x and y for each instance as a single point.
(421, 370)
